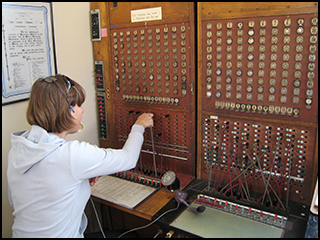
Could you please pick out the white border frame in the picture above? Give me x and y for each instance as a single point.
(27, 8)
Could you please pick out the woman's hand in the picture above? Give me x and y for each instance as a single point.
(145, 120)
(93, 180)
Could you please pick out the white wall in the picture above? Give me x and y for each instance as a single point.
(74, 58)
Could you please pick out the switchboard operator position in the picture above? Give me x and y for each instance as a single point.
(49, 178)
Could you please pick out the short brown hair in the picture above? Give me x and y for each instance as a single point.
(48, 106)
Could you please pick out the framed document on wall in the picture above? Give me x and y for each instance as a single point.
(27, 47)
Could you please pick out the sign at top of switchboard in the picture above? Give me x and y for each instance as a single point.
(147, 14)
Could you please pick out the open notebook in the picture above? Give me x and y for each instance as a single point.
(122, 192)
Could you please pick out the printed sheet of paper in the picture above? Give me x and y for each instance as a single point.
(122, 192)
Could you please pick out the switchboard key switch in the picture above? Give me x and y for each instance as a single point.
(99, 74)
(102, 117)
(95, 25)
(249, 210)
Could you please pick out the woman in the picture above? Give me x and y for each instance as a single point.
(49, 178)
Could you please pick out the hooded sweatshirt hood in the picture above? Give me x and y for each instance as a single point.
(30, 147)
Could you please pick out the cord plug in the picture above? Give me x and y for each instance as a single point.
(169, 234)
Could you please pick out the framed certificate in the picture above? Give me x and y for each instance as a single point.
(27, 47)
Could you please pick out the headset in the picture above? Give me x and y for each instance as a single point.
(180, 197)
(53, 79)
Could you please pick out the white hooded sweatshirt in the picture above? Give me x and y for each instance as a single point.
(48, 179)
